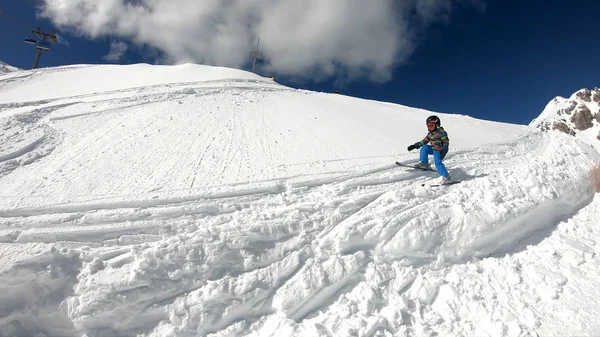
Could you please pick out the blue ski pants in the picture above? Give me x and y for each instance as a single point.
(427, 150)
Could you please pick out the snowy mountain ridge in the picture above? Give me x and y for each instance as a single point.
(6, 68)
(188, 200)
(578, 115)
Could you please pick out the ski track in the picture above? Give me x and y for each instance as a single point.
(284, 257)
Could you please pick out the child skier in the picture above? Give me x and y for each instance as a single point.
(435, 143)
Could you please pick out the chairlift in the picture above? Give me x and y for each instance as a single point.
(255, 54)
(30, 40)
(43, 46)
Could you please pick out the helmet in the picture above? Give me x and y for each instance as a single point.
(435, 119)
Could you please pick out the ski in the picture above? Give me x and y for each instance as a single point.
(414, 167)
(446, 184)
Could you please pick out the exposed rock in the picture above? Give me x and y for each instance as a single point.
(572, 115)
(582, 118)
(568, 109)
(560, 126)
(596, 96)
(584, 94)
(543, 126)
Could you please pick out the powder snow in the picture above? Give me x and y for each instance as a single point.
(190, 200)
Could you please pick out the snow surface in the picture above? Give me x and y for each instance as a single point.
(6, 68)
(202, 201)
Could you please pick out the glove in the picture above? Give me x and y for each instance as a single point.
(412, 147)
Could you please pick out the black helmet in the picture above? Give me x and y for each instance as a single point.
(435, 119)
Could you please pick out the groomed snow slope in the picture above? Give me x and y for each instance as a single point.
(190, 200)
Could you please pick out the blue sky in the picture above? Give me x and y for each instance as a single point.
(497, 60)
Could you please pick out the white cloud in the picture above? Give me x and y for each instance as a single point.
(61, 39)
(117, 50)
(313, 39)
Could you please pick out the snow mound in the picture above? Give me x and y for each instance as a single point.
(578, 115)
(38, 284)
(24, 139)
(5, 68)
(81, 80)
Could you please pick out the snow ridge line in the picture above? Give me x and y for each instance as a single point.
(17, 153)
(172, 88)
